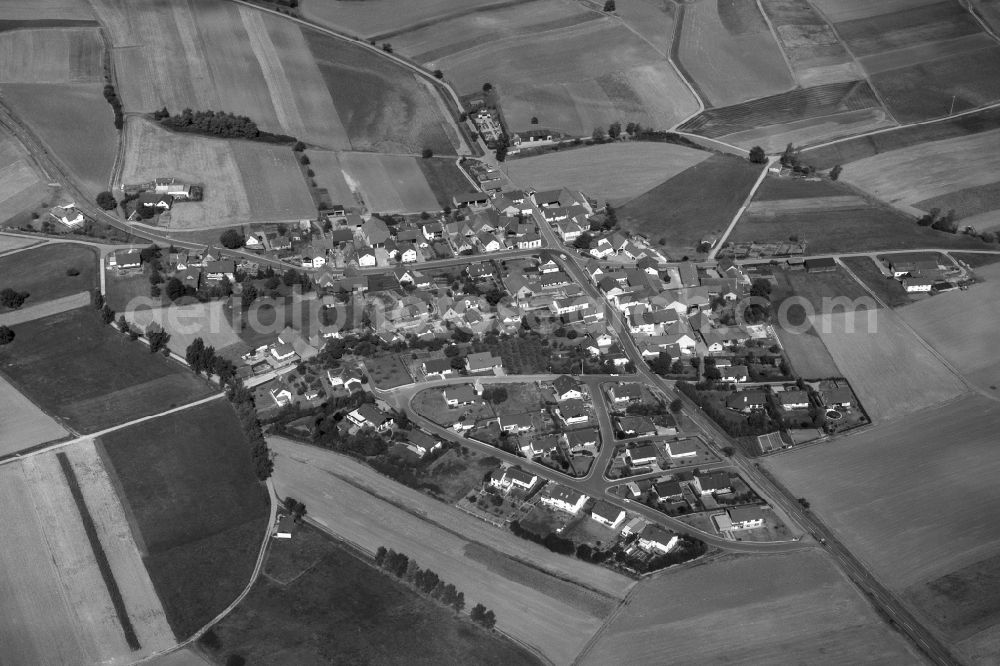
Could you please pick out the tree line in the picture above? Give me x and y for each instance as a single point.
(218, 123)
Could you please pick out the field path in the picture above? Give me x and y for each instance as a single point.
(45, 309)
(739, 213)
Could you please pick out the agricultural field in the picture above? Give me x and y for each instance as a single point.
(815, 53)
(990, 11)
(51, 55)
(52, 362)
(615, 172)
(694, 203)
(807, 354)
(790, 608)
(889, 290)
(196, 506)
(184, 323)
(21, 186)
(11, 243)
(75, 123)
(330, 176)
(444, 178)
(556, 616)
(64, 602)
(654, 20)
(387, 371)
(922, 172)
(389, 183)
(890, 370)
(275, 187)
(378, 18)
(977, 206)
(43, 271)
(728, 50)
(23, 425)
(962, 325)
(576, 79)
(389, 109)
(49, 12)
(924, 527)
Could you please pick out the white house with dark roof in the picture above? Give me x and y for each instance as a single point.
(513, 478)
(654, 537)
(515, 423)
(566, 388)
(746, 517)
(607, 514)
(483, 362)
(457, 396)
(563, 498)
(368, 415)
(642, 455)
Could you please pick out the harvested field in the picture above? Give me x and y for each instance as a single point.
(940, 87)
(52, 361)
(389, 514)
(10, 243)
(576, 79)
(789, 608)
(795, 106)
(337, 608)
(389, 183)
(21, 187)
(776, 188)
(904, 57)
(199, 555)
(276, 189)
(41, 271)
(389, 108)
(962, 325)
(928, 170)
(55, 55)
(809, 42)
(46, 10)
(652, 19)
(849, 10)
(75, 123)
(330, 176)
(859, 148)
(774, 138)
(967, 202)
(807, 354)
(729, 51)
(445, 179)
(22, 424)
(473, 30)
(916, 523)
(822, 290)
(694, 203)
(383, 17)
(806, 205)
(889, 290)
(615, 172)
(906, 27)
(890, 370)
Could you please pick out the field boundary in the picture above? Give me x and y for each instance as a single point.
(428, 22)
(102, 558)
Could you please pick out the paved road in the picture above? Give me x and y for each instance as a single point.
(48, 308)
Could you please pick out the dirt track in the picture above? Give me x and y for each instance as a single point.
(52, 307)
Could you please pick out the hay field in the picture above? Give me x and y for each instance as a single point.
(275, 186)
(912, 523)
(774, 138)
(557, 617)
(928, 170)
(816, 54)
(806, 205)
(22, 424)
(75, 123)
(729, 51)
(906, 27)
(10, 243)
(615, 172)
(788, 608)
(575, 79)
(890, 370)
(962, 326)
(470, 31)
(55, 55)
(41, 271)
(384, 17)
(836, 11)
(152, 152)
(389, 183)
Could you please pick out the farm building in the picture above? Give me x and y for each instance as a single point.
(283, 529)
(821, 265)
(902, 265)
(917, 285)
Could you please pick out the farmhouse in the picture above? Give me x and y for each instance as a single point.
(154, 200)
(174, 188)
(712, 482)
(463, 394)
(607, 514)
(563, 498)
(917, 285)
(471, 200)
(821, 265)
(746, 517)
(512, 478)
(654, 537)
(642, 455)
(913, 265)
(283, 528)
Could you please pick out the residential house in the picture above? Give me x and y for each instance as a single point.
(283, 527)
(67, 215)
(281, 396)
(189, 277)
(635, 426)
(462, 394)
(513, 478)
(607, 514)
(566, 388)
(685, 448)
(570, 229)
(347, 379)
(746, 517)
(572, 412)
(160, 202)
(654, 537)
(581, 439)
(216, 270)
(793, 399)
(746, 401)
(707, 483)
(642, 455)
(125, 259)
(625, 394)
(839, 397)
(366, 257)
(283, 354)
(539, 445)
(515, 423)
(471, 200)
(734, 373)
(298, 342)
(483, 362)
(370, 416)
(375, 232)
(689, 275)
(529, 241)
(438, 368)
(421, 443)
(668, 490)
(563, 498)
(917, 285)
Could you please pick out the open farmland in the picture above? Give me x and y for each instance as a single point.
(74, 121)
(893, 28)
(199, 511)
(815, 53)
(52, 360)
(694, 203)
(21, 187)
(921, 172)
(889, 290)
(276, 189)
(962, 326)
(385, 17)
(614, 172)
(978, 206)
(54, 55)
(320, 602)
(890, 370)
(184, 323)
(989, 10)
(330, 176)
(557, 616)
(467, 32)
(790, 608)
(22, 424)
(390, 109)
(807, 354)
(915, 524)
(389, 183)
(42, 271)
(445, 178)
(652, 19)
(729, 51)
(49, 11)
(576, 79)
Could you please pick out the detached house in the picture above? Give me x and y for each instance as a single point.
(483, 362)
(375, 232)
(607, 514)
(369, 416)
(563, 499)
(216, 270)
(712, 482)
(566, 388)
(67, 215)
(515, 423)
(654, 537)
(513, 478)
(793, 399)
(642, 455)
(572, 412)
(746, 401)
(457, 396)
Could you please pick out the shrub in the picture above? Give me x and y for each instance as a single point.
(72, 271)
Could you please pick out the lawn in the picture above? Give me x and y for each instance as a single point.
(788, 608)
(43, 272)
(430, 404)
(615, 172)
(319, 602)
(457, 472)
(918, 523)
(691, 205)
(89, 376)
(444, 178)
(200, 511)
(124, 289)
(387, 371)
(889, 290)
(524, 356)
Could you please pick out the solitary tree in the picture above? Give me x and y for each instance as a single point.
(676, 405)
(609, 6)
(6, 335)
(534, 120)
(438, 74)
(835, 172)
(615, 130)
(106, 200)
(757, 155)
(487, 87)
(231, 239)
(427, 153)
